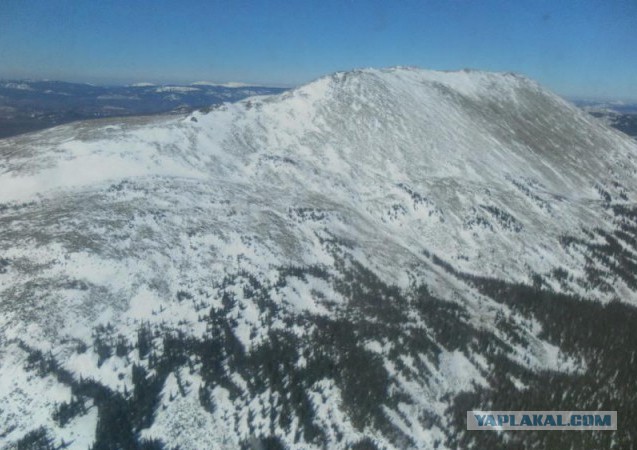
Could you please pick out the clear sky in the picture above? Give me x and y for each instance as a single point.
(577, 48)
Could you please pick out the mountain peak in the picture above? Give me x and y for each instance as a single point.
(468, 82)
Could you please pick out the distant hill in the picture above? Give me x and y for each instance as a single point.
(33, 105)
(620, 115)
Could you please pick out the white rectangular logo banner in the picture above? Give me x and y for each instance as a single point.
(542, 420)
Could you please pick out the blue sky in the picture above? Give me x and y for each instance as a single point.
(577, 48)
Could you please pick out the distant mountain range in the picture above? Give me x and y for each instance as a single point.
(33, 105)
(620, 115)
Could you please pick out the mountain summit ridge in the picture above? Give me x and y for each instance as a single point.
(522, 137)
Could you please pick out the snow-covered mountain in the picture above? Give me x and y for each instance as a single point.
(351, 264)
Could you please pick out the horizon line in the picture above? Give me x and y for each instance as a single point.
(233, 84)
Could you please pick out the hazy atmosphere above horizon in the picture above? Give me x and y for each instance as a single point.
(576, 48)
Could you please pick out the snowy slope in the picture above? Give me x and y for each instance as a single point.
(251, 261)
